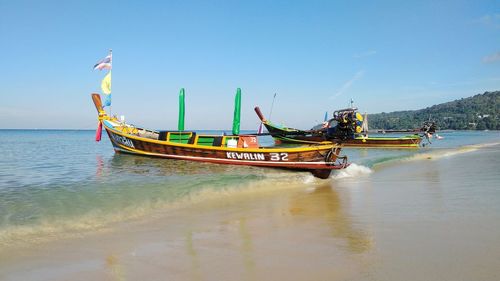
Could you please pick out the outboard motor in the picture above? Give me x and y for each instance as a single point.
(429, 127)
(346, 123)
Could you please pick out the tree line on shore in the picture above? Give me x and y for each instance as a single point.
(479, 112)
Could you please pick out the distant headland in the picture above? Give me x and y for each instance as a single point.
(479, 112)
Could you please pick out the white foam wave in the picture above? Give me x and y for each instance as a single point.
(437, 154)
(452, 152)
(353, 171)
(96, 221)
(483, 145)
(309, 179)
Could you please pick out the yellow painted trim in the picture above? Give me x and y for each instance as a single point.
(204, 159)
(382, 145)
(389, 138)
(294, 149)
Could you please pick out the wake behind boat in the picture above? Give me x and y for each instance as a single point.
(320, 159)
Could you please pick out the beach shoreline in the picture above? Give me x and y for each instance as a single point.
(401, 221)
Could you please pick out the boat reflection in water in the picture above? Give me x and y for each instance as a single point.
(279, 235)
(325, 203)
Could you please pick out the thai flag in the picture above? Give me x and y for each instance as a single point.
(104, 63)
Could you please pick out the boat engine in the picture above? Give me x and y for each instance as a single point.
(345, 124)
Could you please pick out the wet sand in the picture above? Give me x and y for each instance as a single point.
(428, 219)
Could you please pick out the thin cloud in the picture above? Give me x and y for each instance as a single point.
(348, 84)
(364, 54)
(492, 58)
(492, 20)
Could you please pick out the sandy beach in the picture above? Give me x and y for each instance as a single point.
(250, 140)
(421, 219)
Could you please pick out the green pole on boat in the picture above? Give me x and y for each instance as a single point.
(180, 125)
(237, 112)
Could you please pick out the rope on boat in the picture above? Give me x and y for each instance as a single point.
(335, 151)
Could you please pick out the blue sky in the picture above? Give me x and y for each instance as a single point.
(316, 55)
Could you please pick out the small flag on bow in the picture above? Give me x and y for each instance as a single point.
(105, 63)
(106, 84)
(106, 89)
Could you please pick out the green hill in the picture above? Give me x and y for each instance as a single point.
(479, 112)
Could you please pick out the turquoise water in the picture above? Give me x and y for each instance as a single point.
(57, 181)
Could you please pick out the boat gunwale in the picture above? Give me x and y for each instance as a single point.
(408, 137)
(275, 164)
(414, 144)
(318, 147)
(415, 140)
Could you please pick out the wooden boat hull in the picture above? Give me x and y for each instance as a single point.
(320, 160)
(388, 142)
(291, 135)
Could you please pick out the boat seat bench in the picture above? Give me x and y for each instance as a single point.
(176, 136)
(193, 138)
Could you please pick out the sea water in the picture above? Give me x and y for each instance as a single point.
(61, 182)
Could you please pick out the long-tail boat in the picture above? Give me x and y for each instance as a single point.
(347, 127)
(318, 159)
